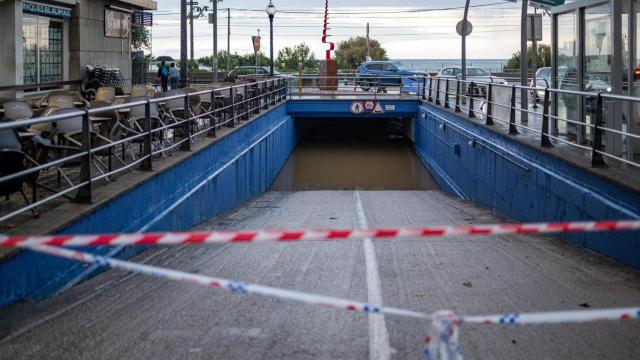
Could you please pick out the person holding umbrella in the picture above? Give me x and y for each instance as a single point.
(174, 76)
(163, 76)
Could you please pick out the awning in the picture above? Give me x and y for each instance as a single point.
(144, 4)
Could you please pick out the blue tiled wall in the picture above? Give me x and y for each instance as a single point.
(185, 195)
(522, 182)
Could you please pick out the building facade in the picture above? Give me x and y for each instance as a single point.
(595, 47)
(52, 41)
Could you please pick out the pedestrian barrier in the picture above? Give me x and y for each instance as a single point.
(326, 235)
(442, 339)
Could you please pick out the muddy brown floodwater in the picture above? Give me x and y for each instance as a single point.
(348, 156)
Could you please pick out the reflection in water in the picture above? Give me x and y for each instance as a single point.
(353, 157)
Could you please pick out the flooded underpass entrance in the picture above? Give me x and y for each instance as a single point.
(353, 154)
(343, 174)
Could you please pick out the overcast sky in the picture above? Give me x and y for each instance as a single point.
(405, 35)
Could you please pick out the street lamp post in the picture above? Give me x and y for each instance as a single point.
(271, 11)
(214, 60)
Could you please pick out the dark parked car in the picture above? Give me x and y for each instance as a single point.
(383, 73)
(250, 70)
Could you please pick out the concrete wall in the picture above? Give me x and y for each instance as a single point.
(522, 182)
(11, 45)
(205, 184)
(89, 46)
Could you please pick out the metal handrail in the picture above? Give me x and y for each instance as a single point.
(598, 129)
(271, 91)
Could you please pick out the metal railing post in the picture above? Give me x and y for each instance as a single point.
(429, 97)
(544, 139)
(438, 91)
(512, 115)
(233, 107)
(446, 94)
(596, 157)
(424, 85)
(489, 118)
(471, 112)
(85, 193)
(281, 85)
(457, 107)
(246, 101)
(146, 163)
(212, 116)
(186, 127)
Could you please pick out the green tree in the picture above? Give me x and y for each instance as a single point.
(350, 53)
(543, 57)
(289, 57)
(140, 38)
(235, 60)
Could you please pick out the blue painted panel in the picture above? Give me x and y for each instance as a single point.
(340, 108)
(522, 182)
(189, 193)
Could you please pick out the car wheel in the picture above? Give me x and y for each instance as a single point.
(365, 86)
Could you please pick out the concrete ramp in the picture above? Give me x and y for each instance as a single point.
(117, 315)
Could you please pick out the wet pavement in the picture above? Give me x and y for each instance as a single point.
(128, 316)
(118, 315)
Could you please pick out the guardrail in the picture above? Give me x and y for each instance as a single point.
(583, 120)
(593, 131)
(81, 145)
(372, 86)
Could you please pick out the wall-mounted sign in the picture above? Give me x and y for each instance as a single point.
(356, 107)
(534, 27)
(117, 24)
(140, 18)
(546, 4)
(46, 10)
(371, 106)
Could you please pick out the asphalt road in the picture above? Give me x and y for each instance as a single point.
(126, 316)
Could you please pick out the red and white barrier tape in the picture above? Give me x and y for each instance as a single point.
(170, 238)
(442, 341)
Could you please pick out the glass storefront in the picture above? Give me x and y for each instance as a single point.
(43, 49)
(566, 69)
(587, 34)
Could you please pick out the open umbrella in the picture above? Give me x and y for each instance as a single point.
(164, 58)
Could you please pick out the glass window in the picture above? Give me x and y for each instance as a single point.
(597, 57)
(597, 48)
(401, 67)
(388, 67)
(456, 72)
(476, 72)
(566, 76)
(42, 49)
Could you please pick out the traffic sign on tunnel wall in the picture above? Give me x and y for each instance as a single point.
(370, 106)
